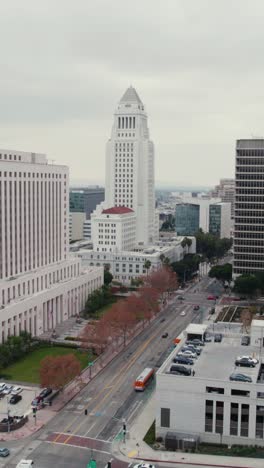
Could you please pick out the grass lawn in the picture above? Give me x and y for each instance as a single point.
(100, 312)
(27, 369)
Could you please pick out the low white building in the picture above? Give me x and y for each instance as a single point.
(113, 229)
(125, 265)
(207, 405)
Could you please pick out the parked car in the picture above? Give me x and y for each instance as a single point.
(196, 307)
(240, 378)
(180, 370)
(245, 340)
(218, 337)
(45, 392)
(8, 389)
(16, 390)
(196, 342)
(183, 313)
(188, 353)
(15, 399)
(211, 298)
(183, 360)
(181, 298)
(144, 465)
(193, 348)
(162, 320)
(37, 401)
(250, 358)
(165, 335)
(244, 362)
(2, 386)
(4, 452)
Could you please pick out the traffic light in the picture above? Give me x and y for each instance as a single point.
(109, 464)
(124, 428)
(85, 412)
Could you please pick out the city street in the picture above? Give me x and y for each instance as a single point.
(109, 399)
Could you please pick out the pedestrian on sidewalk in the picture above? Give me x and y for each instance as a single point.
(137, 445)
(193, 373)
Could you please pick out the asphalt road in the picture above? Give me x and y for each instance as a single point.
(71, 438)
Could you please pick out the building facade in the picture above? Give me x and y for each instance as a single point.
(40, 283)
(76, 225)
(187, 219)
(209, 215)
(126, 265)
(249, 207)
(85, 199)
(114, 229)
(130, 166)
(226, 191)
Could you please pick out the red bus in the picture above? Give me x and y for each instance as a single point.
(144, 379)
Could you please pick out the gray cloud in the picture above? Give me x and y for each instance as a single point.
(197, 66)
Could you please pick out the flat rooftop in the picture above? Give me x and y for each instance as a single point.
(217, 360)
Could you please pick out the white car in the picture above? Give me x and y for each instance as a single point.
(8, 388)
(250, 358)
(16, 390)
(188, 354)
(2, 386)
(183, 313)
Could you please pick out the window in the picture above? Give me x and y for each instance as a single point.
(244, 420)
(234, 419)
(219, 417)
(209, 409)
(165, 417)
(237, 392)
(215, 390)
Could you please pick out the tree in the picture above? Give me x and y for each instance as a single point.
(186, 267)
(147, 265)
(98, 299)
(163, 280)
(57, 371)
(108, 277)
(246, 284)
(122, 319)
(95, 335)
(150, 299)
(221, 272)
(211, 246)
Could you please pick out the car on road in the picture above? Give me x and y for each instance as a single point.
(181, 298)
(8, 389)
(188, 353)
(245, 340)
(211, 297)
(196, 307)
(244, 362)
(4, 452)
(15, 399)
(165, 335)
(183, 360)
(45, 392)
(16, 390)
(183, 313)
(144, 465)
(240, 377)
(162, 320)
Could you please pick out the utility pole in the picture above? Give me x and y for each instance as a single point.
(8, 421)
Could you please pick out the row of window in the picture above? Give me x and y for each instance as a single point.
(41, 175)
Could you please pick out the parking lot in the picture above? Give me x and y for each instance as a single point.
(22, 407)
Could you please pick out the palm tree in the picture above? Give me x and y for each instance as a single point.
(147, 265)
(188, 242)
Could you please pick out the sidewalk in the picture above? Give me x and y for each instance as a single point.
(136, 449)
(32, 426)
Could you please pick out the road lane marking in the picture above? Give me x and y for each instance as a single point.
(77, 446)
(126, 366)
(91, 427)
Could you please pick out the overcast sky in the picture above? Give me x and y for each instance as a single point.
(197, 65)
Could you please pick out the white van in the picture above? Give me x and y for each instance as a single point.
(25, 464)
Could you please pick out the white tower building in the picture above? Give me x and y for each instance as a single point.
(130, 166)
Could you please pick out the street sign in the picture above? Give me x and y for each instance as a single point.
(91, 464)
(90, 363)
